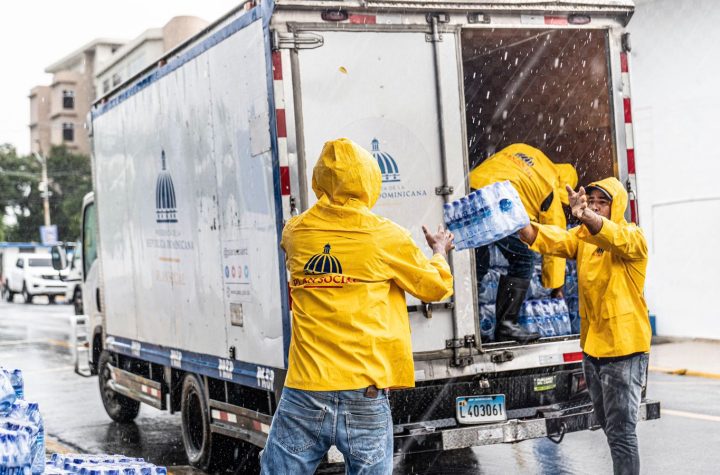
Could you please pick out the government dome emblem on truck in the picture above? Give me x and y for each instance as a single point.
(165, 196)
(388, 165)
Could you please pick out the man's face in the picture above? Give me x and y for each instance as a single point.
(598, 202)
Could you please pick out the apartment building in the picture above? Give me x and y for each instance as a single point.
(58, 112)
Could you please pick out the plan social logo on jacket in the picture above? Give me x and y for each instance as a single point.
(349, 271)
(611, 269)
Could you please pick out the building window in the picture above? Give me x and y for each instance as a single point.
(106, 86)
(68, 132)
(68, 99)
(116, 80)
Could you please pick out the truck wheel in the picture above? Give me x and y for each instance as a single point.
(26, 295)
(196, 434)
(117, 406)
(51, 299)
(9, 295)
(77, 301)
(205, 450)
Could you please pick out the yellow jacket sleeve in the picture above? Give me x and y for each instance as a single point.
(430, 280)
(626, 241)
(553, 268)
(555, 241)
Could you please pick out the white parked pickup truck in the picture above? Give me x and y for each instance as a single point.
(33, 275)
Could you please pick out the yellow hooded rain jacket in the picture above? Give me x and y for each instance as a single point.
(349, 271)
(534, 176)
(611, 276)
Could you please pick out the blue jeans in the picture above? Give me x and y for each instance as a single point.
(518, 254)
(615, 389)
(307, 423)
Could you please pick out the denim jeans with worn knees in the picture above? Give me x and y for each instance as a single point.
(307, 423)
(615, 389)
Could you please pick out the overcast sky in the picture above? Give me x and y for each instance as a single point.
(36, 33)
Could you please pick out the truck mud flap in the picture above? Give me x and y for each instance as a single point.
(553, 424)
(136, 387)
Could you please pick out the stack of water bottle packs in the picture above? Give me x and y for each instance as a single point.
(22, 434)
(84, 464)
(485, 215)
(547, 316)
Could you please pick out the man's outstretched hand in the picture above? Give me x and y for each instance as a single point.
(578, 201)
(440, 242)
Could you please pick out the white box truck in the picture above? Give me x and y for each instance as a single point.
(200, 159)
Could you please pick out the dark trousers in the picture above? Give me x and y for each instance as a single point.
(519, 256)
(615, 388)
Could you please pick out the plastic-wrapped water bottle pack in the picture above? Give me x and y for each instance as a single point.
(84, 464)
(548, 317)
(22, 433)
(485, 215)
(571, 295)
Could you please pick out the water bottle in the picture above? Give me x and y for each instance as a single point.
(565, 312)
(460, 234)
(38, 451)
(7, 393)
(467, 213)
(550, 317)
(450, 221)
(544, 327)
(487, 322)
(475, 219)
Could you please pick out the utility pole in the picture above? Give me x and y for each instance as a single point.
(46, 188)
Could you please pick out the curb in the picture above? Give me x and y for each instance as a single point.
(684, 372)
(52, 445)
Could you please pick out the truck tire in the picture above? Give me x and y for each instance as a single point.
(51, 299)
(26, 295)
(78, 301)
(196, 434)
(9, 294)
(117, 406)
(205, 450)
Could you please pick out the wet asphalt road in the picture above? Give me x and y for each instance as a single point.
(36, 339)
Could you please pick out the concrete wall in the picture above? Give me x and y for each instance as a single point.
(675, 97)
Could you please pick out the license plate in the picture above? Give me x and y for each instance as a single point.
(480, 409)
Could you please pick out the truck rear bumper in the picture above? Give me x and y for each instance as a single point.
(553, 424)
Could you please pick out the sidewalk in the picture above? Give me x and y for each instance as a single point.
(686, 357)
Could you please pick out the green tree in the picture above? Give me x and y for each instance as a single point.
(69, 179)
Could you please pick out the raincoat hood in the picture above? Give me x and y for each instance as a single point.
(344, 172)
(619, 196)
(567, 175)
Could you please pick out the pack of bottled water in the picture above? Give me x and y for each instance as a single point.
(103, 464)
(487, 322)
(571, 295)
(548, 317)
(485, 215)
(489, 287)
(22, 433)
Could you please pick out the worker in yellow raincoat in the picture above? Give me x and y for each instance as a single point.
(349, 271)
(615, 330)
(541, 186)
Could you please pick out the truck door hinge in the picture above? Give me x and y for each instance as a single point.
(502, 357)
(444, 190)
(468, 341)
(296, 40)
(435, 19)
